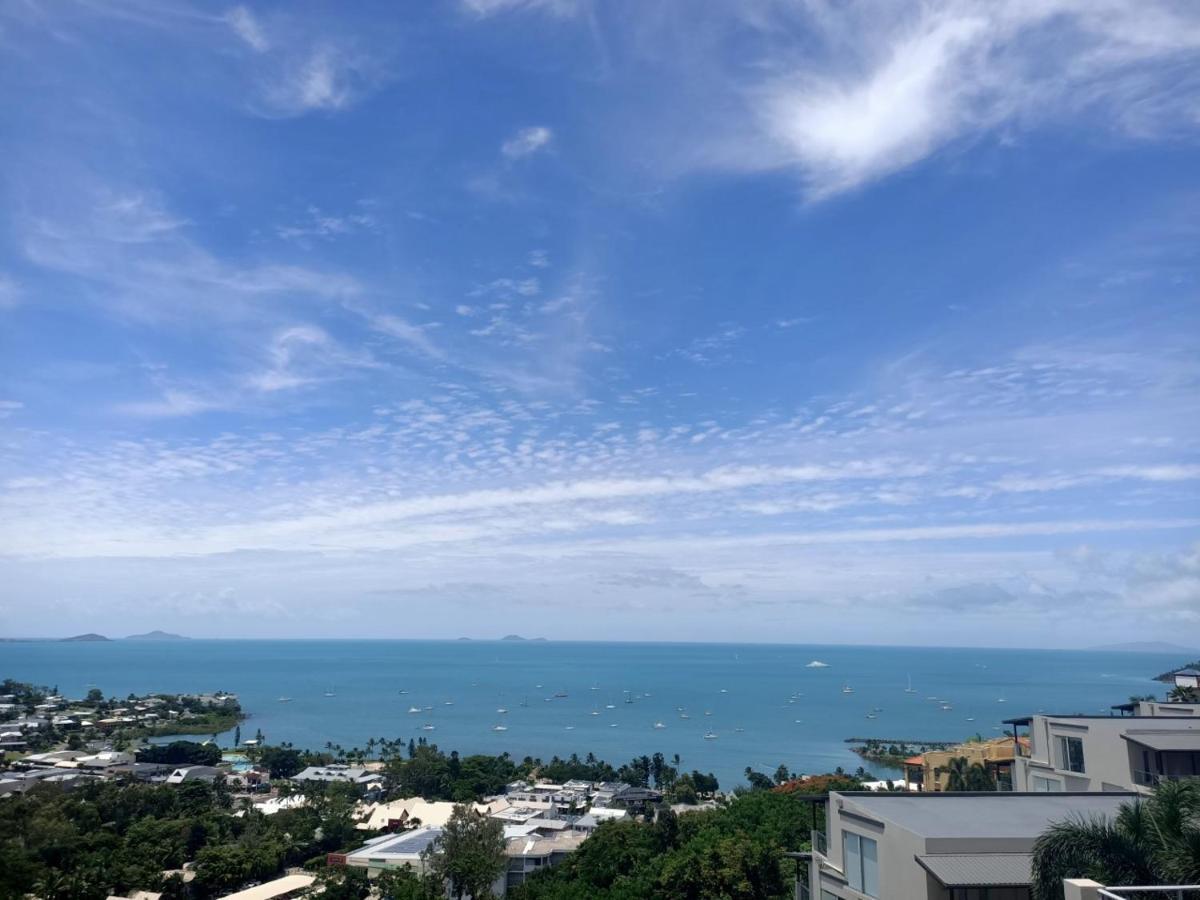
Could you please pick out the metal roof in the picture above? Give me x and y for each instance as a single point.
(961, 870)
(1166, 740)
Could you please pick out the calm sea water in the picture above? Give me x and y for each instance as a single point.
(747, 687)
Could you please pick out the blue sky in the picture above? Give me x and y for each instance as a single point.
(778, 320)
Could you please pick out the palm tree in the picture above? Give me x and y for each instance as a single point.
(1181, 694)
(1154, 841)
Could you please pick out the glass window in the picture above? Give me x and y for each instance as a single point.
(1071, 753)
(862, 863)
(1046, 785)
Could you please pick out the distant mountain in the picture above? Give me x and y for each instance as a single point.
(512, 637)
(90, 636)
(1145, 647)
(157, 635)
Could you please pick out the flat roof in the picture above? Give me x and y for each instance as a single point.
(962, 870)
(277, 888)
(410, 843)
(1025, 720)
(982, 815)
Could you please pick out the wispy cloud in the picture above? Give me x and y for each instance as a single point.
(527, 142)
(246, 27)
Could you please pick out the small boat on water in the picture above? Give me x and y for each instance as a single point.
(502, 710)
(595, 712)
(708, 712)
(659, 725)
(499, 728)
(846, 689)
(817, 664)
(285, 699)
(427, 727)
(946, 707)
(560, 695)
(710, 735)
(612, 725)
(610, 706)
(684, 716)
(910, 689)
(414, 709)
(739, 730)
(723, 691)
(403, 691)
(570, 728)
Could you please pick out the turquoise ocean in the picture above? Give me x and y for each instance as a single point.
(763, 704)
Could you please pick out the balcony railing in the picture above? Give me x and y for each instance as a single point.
(802, 891)
(1150, 779)
(820, 843)
(1172, 892)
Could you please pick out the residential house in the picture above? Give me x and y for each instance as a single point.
(193, 773)
(936, 845)
(532, 853)
(1104, 753)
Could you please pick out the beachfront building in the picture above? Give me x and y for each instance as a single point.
(936, 846)
(337, 772)
(931, 770)
(1187, 678)
(1103, 753)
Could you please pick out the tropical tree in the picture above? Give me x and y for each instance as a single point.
(469, 853)
(1152, 842)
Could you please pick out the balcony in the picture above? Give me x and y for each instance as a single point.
(820, 844)
(1151, 779)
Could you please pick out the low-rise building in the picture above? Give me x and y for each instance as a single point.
(193, 773)
(1104, 753)
(937, 846)
(337, 772)
(391, 851)
(532, 853)
(284, 888)
(931, 770)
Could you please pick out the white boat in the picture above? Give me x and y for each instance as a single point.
(846, 689)
(499, 728)
(330, 693)
(946, 707)
(1001, 700)
(403, 691)
(414, 709)
(610, 706)
(817, 664)
(659, 725)
(739, 730)
(871, 715)
(502, 710)
(427, 728)
(710, 735)
(708, 712)
(910, 689)
(595, 712)
(612, 725)
(723, 691)
(570, 728)
(285, 699)
(684, 716)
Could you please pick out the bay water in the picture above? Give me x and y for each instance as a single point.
(759, 705)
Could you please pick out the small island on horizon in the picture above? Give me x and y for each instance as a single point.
(158, 635)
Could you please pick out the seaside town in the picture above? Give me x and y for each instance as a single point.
(1008, 818)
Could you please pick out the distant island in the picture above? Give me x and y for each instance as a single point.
(517, 637)
(1145, 647)
(90, 636)
(157, 635)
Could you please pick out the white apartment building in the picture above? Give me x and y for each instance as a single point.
(1105, 753)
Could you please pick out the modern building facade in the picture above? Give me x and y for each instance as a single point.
(1104, 753)
(937, 846)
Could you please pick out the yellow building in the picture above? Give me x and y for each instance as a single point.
(930, 771)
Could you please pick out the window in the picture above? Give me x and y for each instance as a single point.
(1046, 785)
(1070, 751)
(862, 863)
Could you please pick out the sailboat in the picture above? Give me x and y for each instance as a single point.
(910, 689)
(414, 709)
(846, 689)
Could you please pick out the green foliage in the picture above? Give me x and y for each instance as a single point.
(469, 854)
(178, 753)
(733, 852)
(115, 837)
(1155, 841)
(964, 776)
(280, 762)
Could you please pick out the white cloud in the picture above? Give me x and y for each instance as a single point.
(526, 142)
(493, 7)
(246, 27)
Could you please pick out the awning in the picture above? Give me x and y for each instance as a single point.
(955, 870)
(1166, 740)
